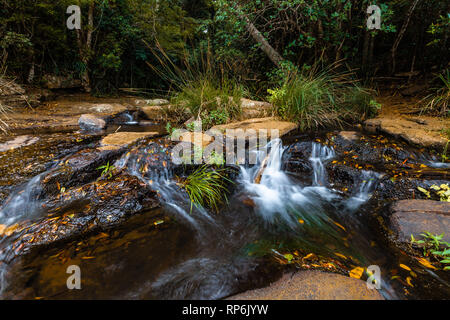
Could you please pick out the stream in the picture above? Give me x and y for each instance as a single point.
(133, 248)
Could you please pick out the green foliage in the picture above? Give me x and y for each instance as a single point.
(433, 245)
(207, 187)
(445, 151)
(215, 101)
(316, 98)
(439, 101)
(107, 170)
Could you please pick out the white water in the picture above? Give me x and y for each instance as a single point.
(22, 204)
(319, 155)
(278, 196)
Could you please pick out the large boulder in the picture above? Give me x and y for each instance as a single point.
(60, 82)
(413, 217)
(313, 285)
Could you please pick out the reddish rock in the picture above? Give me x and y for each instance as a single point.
(313, 285)
(417, 216)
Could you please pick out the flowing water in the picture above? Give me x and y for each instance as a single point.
(179, 252)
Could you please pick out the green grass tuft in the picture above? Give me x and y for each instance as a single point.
(316, 98)
(207, 187)
(438, 102)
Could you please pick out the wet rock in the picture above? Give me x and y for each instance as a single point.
(296, 158)
(365, 150)
(90, 122)
(269, 125)
(342, 176)
(426, 134)
(60, 82)
(313, 285)
(413, 217)
(402, 188)
(120, 140)
(349, 135)
(93, 207)
(77, 169)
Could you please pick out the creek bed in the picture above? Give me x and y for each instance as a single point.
(302, 206)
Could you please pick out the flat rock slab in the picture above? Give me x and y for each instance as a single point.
(424, 131)
(268, 124)
(18, 142)
(313, 285)
(416, 216)
(123, 139)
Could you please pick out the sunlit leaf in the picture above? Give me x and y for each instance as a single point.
(357, 273)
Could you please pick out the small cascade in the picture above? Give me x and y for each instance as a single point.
(23, 204)
(277, 197)
(162, 179)
(320, 154)
(369, 180)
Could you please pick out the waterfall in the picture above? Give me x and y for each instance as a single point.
(23, 204)
(319, 155)
(278, 197)
(367, 185)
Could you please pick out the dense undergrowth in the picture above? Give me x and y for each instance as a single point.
(320, 97)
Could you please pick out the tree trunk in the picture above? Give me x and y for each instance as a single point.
(273, 55)
(85, 46)
(365, 52)
(401, 34)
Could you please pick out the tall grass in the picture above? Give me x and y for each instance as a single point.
(438, 102)
(322, 97)
(206, 187)
(201, 85)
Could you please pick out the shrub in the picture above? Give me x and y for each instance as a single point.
(316, 99)
(206, 89)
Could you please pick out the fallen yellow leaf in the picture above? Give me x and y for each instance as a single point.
(340, 255)
(408, 280)
(404, 267)
(339, 225)
(426, 263)
(357, 273)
